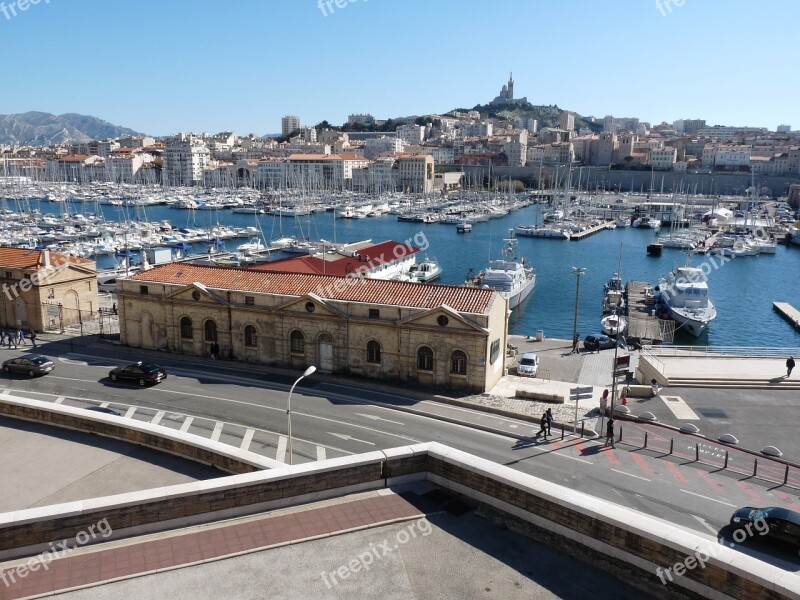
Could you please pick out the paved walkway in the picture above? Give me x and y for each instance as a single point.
(149, 554)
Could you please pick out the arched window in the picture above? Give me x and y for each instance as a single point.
(373, 352)
(210, 331)
(297, 342)
(187, 333)
(458, 363)
(425, 359)
(250, 337)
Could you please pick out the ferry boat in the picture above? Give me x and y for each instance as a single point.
(508, 276)
(684, 293)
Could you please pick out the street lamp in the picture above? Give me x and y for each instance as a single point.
(578, 272)
(310, 370)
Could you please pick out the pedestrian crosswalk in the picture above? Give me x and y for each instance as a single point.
(266, 443)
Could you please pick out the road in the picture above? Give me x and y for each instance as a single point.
(332, 419)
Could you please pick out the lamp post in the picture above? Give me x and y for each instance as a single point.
(310, 370)
(578, 272)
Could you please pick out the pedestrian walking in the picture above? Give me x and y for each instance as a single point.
(215, 351)
(609, 433)
(33, 338)
(2, 337)
(13, 338)
(21, 336)
(543, 426)
(575, 341)
(789, 366)
(549, 414)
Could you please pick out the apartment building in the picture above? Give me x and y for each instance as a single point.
(415, 173)
(185, 160)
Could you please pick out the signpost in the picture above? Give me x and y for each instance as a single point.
(578, 393)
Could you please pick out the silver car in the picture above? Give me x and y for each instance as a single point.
(528, 364)
(30, 364)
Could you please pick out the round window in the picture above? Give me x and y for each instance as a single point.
(310, 307)
(442, 320)
(196, 295)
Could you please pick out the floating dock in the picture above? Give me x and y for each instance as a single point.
(591, 231)
(788, 312)
(643, 326)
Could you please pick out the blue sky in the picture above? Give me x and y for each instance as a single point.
(161, 66)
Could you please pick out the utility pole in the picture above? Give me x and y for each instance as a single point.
(578, 272)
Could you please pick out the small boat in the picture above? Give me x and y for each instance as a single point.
(464, 227)
(426, 271)
(614, 325)
(655, 249)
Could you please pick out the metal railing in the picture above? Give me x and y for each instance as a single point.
(650, 357)
(706, 452)
(727, 351)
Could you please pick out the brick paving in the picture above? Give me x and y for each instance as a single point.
(176, 549)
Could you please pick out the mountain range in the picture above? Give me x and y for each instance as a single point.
(44, 129)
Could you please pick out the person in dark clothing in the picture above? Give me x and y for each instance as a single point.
(610, 433)
(543, 426)
(575, 341)
(215, 351)
(33, 338)
(549, 414)
(2, 337)
(789, 366)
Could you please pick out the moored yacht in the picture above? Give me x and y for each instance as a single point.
(426, 271)
(508, 276)
(684, 293)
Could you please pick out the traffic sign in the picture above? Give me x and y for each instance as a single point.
(578, 393)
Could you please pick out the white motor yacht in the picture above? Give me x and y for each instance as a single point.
(684, 293)
(508, 276)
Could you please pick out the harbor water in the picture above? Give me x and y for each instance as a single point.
(742, 288)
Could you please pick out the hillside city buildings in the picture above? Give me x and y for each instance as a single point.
(418, 155)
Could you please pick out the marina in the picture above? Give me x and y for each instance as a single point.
(740, 286)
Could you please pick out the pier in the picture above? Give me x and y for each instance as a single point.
(643, 326)
(788, 312)
(587, 232)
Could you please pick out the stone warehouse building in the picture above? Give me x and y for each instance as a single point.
(45, 290)
(432, 335)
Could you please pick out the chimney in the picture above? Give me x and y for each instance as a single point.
(46, 258)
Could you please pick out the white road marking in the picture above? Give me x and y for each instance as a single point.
(280, 455)
(707, 498)
(583, 460)
(60, 399)
(157, 419)
(679, 408)
(374, 418)
(629, 474)
(186, 424)
(217, 431)
(104, 404)
(702, 521)
(348, 438)
(321, 453)
(130, 411)
(248, 437)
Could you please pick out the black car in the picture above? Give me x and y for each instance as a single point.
(773, 523)
(142, 373)
(598, 342)
(30, 364)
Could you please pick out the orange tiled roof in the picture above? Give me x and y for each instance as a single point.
(25, 258)
(398, 293)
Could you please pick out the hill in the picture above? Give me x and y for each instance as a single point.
(43, 129)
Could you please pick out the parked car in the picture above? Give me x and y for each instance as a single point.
(783, 524)
(598, 342)
(30, 364)
(104, 410)
(142, 373)
(528, 364)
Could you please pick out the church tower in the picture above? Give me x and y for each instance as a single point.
(510, 86)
